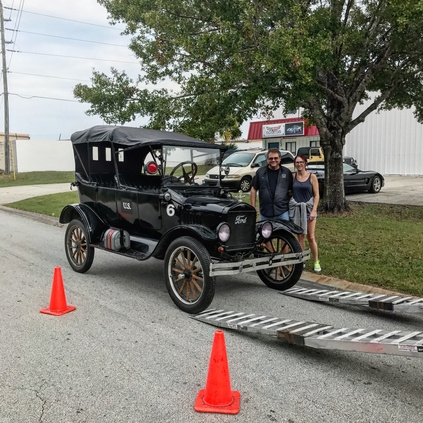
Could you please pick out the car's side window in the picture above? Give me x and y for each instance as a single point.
(260, 159)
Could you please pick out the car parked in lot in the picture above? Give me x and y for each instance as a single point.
(142, 195)
(313, 154)
(238, 169)
(355, 180)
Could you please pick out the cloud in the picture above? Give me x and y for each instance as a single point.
(57, 44)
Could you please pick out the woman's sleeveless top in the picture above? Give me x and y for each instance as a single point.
(303, 191)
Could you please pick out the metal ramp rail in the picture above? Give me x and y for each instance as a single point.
(317, 335)
(375, 301)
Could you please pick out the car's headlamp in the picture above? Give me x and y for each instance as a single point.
(223, 232)
(266, 230)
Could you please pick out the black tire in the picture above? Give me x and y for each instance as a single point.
(376, 185)
(282, 277)
(78, 252)
(187, 265)
(245, 184)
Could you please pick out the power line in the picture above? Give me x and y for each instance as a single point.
(43, 97)
(67, 19)
(17, 24)
(70, 57)
(68, 38)
(48, 76)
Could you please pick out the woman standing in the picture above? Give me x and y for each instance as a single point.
(303, 206)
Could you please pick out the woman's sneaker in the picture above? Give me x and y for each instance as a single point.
(317, 267)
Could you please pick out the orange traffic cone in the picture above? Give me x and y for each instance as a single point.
(58, 304)
(217, 397)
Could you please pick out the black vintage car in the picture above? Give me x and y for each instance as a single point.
(142, 195)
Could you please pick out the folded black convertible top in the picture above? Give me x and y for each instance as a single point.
(130, 136)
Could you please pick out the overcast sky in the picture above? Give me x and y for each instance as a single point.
(52, 45)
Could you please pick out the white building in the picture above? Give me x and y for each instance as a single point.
(390, 142)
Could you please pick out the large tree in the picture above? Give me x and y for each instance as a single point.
(228, 60)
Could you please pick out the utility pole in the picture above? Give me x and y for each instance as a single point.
(5, 96)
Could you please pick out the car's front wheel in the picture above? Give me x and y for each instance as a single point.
(187, 265)
(376, 185)
(78, 251)
(285, 276)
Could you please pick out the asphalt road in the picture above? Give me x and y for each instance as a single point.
(127, 354)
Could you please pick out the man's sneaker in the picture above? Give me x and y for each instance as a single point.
(317, 267)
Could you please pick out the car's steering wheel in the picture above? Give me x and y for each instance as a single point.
(187, 175)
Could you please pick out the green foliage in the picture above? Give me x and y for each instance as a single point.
(225, 61)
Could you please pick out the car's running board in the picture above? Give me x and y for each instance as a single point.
(132, 253)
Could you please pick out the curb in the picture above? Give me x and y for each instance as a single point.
(49, 220)
(346, 285)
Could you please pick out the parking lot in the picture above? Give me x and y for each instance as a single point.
(398, 189)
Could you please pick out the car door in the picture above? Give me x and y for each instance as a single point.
(139, 206)
(353, 179)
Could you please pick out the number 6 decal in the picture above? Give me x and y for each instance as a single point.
(170, 210)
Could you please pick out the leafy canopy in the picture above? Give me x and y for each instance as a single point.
(218, 63)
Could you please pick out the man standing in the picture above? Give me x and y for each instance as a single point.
(274, 185)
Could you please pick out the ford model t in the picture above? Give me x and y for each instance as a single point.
(142, 195)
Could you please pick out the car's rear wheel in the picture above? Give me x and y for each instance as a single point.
(285, 276)
(376, 185)
(245, 184)
(78, 251)
(187, 265)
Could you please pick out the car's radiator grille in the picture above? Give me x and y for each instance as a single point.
(242, 225)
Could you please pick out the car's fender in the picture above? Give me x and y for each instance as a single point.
(95, 225)
(202, 233)
(283, 225)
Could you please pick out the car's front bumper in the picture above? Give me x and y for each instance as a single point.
(218, 268)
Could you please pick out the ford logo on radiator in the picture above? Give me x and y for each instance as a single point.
(239, 220)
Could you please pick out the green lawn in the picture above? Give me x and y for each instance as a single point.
(36, 178)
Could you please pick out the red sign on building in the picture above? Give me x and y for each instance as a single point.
(277, 128)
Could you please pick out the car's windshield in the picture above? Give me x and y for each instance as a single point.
(303, 151)
(238, 159)
(188, 165)
(348, 168)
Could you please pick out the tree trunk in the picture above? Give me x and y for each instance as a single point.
(333, 200)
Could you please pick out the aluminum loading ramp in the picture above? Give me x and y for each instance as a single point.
(317, 335)
(375, 301)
